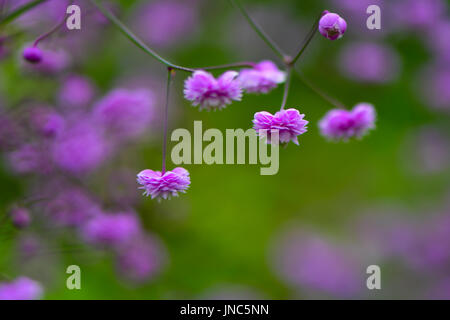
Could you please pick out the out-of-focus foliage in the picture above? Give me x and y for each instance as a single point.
(309, 231)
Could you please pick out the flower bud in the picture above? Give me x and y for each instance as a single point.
(20, 217)
(332, 26)
(32, 54)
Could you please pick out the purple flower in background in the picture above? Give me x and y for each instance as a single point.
(355, 13)
(32, 54)
(28, 158)
(343, 124)
(71, 206)
(427, 151)
(29, 247)
(332, 26)
(438, 43)
(20, 217)
(369, 62)
(10, 132)
(48, 13)
(125, 113)
(76, 92)
(417, 14)
(52, 62)
(289, 124)
(80, 148)
(111, 229)
(20, 289)
(430, 249)
(309, 260)
(264, 77)
(435, 87)
(164, 185)
(141, 259)
(210, 93)
(47, 122)
(164, 22)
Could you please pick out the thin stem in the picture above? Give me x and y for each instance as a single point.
(334, 102)
(138, 42)
(262, 34)
(231, 66)
(286, 87)
(307, 40)
(51, 31)
(19, 11)
(170, 72)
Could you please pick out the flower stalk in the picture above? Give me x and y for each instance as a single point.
(307, 40)
(286, 88)
(262, 34)
(50, 32)
(170, 74)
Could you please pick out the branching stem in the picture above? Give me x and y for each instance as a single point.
(262, 34)
(286, 87)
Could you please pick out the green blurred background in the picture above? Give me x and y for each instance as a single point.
(219, 234)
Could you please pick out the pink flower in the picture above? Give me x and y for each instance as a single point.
(76, 91)
(20, 217)
(332, 26)
(166, 22)
(111, 229)
(141, 259)
(343, 124)
(125, 114)
(164, 185)
(47, 122)
(81, 148)
(289, 124)
(20, 289)
(210, 93)
(28, 158)
(32, 54)
(264, 77)
(48, 62)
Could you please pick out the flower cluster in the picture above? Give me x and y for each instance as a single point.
(164, 185)
(288, 124)
(300, 256)
(70, 142)
(210, 93)
(62, 145)
(343, 124)
(21, 289)
(262, 78)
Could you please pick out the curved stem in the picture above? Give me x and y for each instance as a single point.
(307, 40)
(51, 31)
(334, 102)
(138, 42)
(286, 88)
(19, 11)
(258, 29)
(231, 66)
(170, 73)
